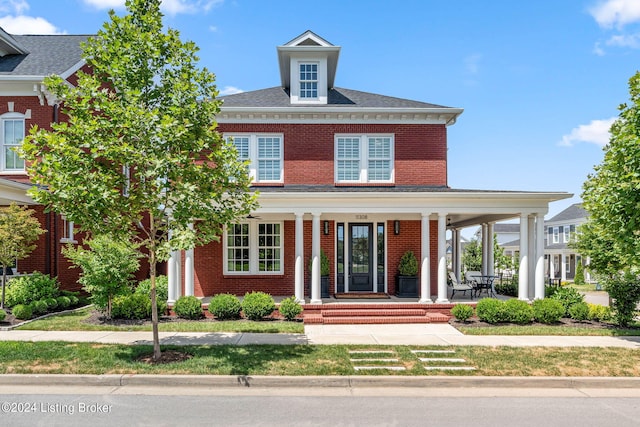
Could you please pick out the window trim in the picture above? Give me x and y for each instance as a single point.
(4, 118)
(365, 158)
(302, 81)
(253, 158)
(556, 235)
(566, 234)
(68, 235)
(254, 258)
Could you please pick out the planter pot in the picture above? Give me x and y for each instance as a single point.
(324, 286)
(407, 286)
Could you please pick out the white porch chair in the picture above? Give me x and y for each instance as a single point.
(455, 285)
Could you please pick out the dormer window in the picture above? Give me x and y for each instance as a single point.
(309, 80)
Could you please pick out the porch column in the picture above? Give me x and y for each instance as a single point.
(563, 266)
(425, 270)
(532, 256)
(189, 275)
(173, 273)
(299, 266)
(523, 272)
(457, 266)
(490, 251)
(485, 246)
(442, 258)
(539, 280)
(315, 259)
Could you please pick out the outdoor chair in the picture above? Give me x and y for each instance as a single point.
(455, 285)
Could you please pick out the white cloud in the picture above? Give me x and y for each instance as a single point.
(625, 40)
(229, 90)
(598, 50)
(616, 13)
(28, 25)
(596, 132)
(170, 7)
(10, 7)
(472, 63)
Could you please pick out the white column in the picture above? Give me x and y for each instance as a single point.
(563, 266)
(485, 246)
(315, 259)
(189, 274)
(532, 256)
(173, 273)
(491, 268)
(442, 259)
(523, 272)
(425, 270)
(299, 266)
(458, 249)
(539, 279)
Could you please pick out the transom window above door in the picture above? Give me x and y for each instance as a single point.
(264, 154)
(364, 158)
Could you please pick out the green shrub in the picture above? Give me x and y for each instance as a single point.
(25, 289)
(225, 307)
(188, 307)
(579, 276)
(162, 288)
(290, 308)
(509, 289)
(462, 312)
(52, 303)
(624, 291)
(3, 315)
(490, 310)
(63, 302)
(74, 300)
(599, 312)
(547, 310)
(22, 311)
(257, 305)
(39, 307)
(567, 297)
(579, 311)
(132, 306)
(518, 311)
(408, 265)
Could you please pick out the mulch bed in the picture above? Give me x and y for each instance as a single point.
(167, 356)
(474, 322)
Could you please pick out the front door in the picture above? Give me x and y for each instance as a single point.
(361, 257)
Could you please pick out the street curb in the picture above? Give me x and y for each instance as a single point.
(262, 381)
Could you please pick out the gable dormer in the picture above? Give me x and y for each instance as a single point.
(9, 45)
(308, 68)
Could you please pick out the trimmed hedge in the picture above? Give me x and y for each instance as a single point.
(290, 308)
(547, 310)
(490, 310)
(22, 312)
(132, 306)
(188, 307)
(3, 315)
(39, 307)
(257, 305)
(462, 312)
(579, 311)
(26, 289)
(518, 311)
(225, 307)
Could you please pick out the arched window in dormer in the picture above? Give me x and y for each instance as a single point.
(12, 134)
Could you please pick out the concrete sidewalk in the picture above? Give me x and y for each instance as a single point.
(404, 334)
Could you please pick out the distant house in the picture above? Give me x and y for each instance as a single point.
(560, 258)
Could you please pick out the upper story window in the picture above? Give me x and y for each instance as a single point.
(67, 231)
(264, 154)
(364, 158)
(556, 235)
(309, 80)
(254, 248)
(12, 136)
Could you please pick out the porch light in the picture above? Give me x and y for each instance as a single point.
(396, 227)
(325, 228)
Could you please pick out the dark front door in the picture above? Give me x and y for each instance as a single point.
(361, 257)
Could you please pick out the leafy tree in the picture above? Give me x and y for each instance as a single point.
(472, 256)
(107, 269)
(139, 158)
(19, 230)
(579, 276)
(500, 259)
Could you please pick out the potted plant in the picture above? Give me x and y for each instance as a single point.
(407, 279)
(324, 274)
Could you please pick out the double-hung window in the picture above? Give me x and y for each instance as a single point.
(556, 235)
(308, 80)
(254, 248)
(364, 158)
(12, 136)
(67, 231)
(264, 155)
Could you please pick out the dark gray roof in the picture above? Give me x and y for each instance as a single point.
(370, 189)
(574, 211)
(506, 228)
(337, 97)
(48, 54)
(511, 243)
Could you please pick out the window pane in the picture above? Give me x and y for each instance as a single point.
(269, 250)
(238, 248)
(13, 136)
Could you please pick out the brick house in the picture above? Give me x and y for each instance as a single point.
(356, 176)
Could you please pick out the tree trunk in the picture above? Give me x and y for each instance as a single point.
(4, 281)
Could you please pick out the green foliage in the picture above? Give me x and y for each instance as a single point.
(567, 297)
(25, 289)
(599, 312)
(74, 300)
(624, 290)
(22, 311)
(131, 306)
(501, 261)
(162, 288)
(64, 302)
(19, 231)
(579, 311)
(518, 311)
(289, 308)
(107, 269)
(225, 307)
(3, 315)
(579, 276)
(188, 307)
(490, 310)
(509, 289)
(257, 305)
(52, 303)
(408, 265)
(462, 312)
(472, 256)
(39, 307)
(547, 310)
(324, 264)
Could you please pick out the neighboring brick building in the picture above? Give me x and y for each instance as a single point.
(359, 176)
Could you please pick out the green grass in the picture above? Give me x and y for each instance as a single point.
(75, 322)
(91, 358)
(546, 330)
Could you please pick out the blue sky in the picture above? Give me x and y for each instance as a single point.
(540, 80)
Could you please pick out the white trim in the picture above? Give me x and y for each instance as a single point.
(253, 251)
(254, 152)
(364, 157)
(4, 118)
(74, 68)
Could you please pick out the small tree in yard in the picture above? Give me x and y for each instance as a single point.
(139, 159)
(19, 230)
(472, 256)
(107, 269)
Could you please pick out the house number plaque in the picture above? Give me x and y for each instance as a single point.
(361, 216)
